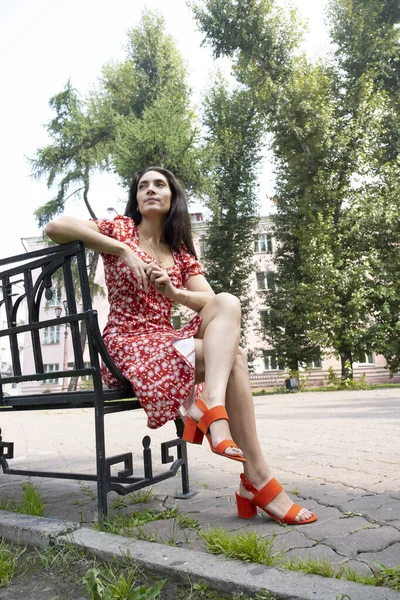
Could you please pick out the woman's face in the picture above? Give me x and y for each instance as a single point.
(153, 194)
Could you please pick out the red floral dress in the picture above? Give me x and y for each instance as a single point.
(139, 335)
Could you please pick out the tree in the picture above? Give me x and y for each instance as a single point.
(151, 99)
(336, 147)
(139, 115)
(233, 134)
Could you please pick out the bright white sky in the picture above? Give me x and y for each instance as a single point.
(42, 44)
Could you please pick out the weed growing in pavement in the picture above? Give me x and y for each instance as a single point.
(59, 555)
(295, 491)
(126, 524)
(249, 547)
(245, 545)
(311, 566)
(30, 504)
(109, 584)
(9, 556)
(188, 523)
(139, 497)
(387, 576)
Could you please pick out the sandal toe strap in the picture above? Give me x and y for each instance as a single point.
(292, 513)
(222, 446)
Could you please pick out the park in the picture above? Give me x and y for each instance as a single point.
(289, 156)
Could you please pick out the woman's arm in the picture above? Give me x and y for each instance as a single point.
(68, 229)
(196, 293)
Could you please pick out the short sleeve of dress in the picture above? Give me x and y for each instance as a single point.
(189, 265)
(106, 226)
(119, 228)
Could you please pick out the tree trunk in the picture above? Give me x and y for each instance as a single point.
(346, 360)
(86, 181)
(73, 384)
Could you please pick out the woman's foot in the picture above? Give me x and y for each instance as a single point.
(277, 507)
(218, 430)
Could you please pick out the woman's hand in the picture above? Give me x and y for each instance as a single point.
(137, 266)
(159, 278)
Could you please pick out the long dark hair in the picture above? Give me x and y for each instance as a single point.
(177, 227)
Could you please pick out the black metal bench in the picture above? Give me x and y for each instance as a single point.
(35, 272)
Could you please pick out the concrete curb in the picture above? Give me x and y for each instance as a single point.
(219, 573)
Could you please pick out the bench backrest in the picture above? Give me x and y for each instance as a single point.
(35, 273)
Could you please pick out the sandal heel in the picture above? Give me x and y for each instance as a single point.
(245, 509)
(192, 433)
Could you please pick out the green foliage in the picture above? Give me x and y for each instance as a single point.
(8, 561)
(233, 147)
(316, 567)
(387, 576)
(31, 502)
(148, 92)
(79, 134)
(110, 586)
(335, 139)
(246, 545)
(126, 524)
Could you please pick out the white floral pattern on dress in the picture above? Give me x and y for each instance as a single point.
(139, 335)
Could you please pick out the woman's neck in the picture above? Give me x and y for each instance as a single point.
(152, 229)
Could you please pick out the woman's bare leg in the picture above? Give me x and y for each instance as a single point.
(240, 407)
(219, 332)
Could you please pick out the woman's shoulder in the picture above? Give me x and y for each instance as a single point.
(120, 227)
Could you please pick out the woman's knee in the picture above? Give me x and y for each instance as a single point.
(228, 302)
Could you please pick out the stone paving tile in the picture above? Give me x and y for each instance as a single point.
(335, 528)
(365, 540)
(318, 552)
(358, 566)
(291, 540)
(390, 557)
(324, 513)
(165, 532)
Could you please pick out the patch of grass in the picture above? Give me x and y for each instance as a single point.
(311, 566)
(188, 523)
(110, 584)
(245, 545)
(139, 497)
(31, 503)
(126, 524)
(387, 576)
(59, 556)
(9, 556)
(351, 575)
(295, 491)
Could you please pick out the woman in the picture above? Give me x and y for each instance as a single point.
(150, 263)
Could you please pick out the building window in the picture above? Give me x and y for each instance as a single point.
(55, 299)
(49, 368)
(51, 335)
(316, 364)
(368, 360)
(176, 321)
(263, 243)
(270, 360)
(265, 280)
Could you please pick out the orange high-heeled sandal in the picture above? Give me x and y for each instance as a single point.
(247, 509)
(195, 432)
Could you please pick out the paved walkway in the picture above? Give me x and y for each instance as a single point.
(336, 453)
